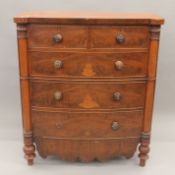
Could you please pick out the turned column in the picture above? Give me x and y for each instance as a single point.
(29, 148)
(149, 98)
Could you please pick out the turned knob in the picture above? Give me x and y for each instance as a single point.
(117, 96)
(57, 38)
(120, 39)
(115, 125)
(58, 95)
(58, 64)
(119, 65)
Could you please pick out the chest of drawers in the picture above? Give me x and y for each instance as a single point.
(87, 83)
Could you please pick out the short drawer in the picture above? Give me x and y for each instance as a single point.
(56, 36)
(87, 95)
(88, 64)
(87, 125)
(119, 37)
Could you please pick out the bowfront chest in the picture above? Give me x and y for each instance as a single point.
(87, 83)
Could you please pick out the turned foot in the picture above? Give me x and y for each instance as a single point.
(144, 149)
(29, 151)
(30, 161)
(142, 162)
(29, 148)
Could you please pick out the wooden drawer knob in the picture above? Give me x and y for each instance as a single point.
(58, 64)
(120, 39)
(115, 125)
(57, 38)
(119, 65)
(117, 96)
(58, 95)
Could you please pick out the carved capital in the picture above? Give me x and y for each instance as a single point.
(155, 32)
(22, 31)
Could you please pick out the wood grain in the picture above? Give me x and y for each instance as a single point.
(80, 36)
(74, 94)
(86, 125)
(88, 64)
(42, 36)
(29, 148)
(105, 36)
(86, 151)
(87, 83)
(100, 18)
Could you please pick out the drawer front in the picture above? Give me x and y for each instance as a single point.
(87, 94)
(57, 36)
(118, 37)
(88, 64)
(90, 125)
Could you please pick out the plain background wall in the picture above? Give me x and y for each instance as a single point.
(10, 114)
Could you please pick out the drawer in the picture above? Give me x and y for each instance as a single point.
(119, 37)
(90, 125)
(56, 36)
(87, 95)
(88, 64)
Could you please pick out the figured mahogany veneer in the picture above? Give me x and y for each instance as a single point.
(87, 83)
(42, 36)
(87, 95)
(86, 150)
(88, 64)
(84, 36)
(105, 37)
(86, 125)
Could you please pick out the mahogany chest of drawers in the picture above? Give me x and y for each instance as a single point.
(87, 83)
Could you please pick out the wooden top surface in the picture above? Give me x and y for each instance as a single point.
(88, 18)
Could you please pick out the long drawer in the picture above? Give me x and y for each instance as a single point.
(88, 64)
(87, 95)
(72, 125)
